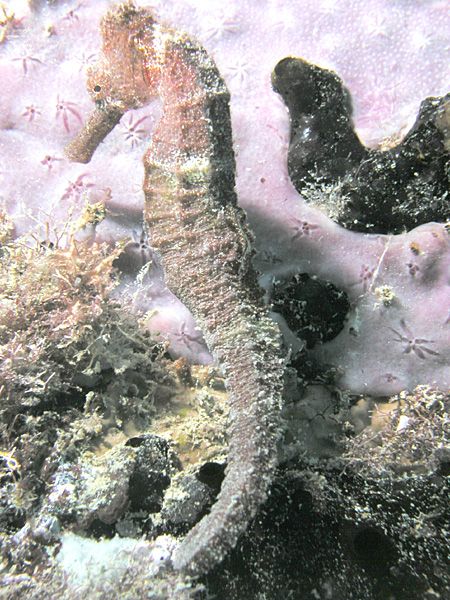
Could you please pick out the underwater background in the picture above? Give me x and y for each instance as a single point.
(114, 400)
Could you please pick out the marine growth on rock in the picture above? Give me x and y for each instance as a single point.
(385, 191)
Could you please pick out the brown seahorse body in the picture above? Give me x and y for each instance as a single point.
(194, 222)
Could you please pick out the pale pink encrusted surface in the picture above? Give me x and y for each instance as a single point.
(391, 55)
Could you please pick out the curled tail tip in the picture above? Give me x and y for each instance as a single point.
(194, 564)
(206, 545)
(209, 542)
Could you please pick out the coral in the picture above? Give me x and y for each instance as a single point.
(137, 571)
(314, 310)
(50, 299)
(6, 228)
(381, 66)
(186, 501)
(399, 344)
(375, 191)
(87, 568)
(9, 21)
(202, 236)
(155, 465)
(61, 340)
(354, 512)
(328, 533)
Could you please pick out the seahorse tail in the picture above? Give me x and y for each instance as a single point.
(252, 369)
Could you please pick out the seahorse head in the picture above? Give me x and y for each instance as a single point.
(126, 75)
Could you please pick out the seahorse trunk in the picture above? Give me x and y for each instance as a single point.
(202, 236)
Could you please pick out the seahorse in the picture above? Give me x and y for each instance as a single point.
(194, 222)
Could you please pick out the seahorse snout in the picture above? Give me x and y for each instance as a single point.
(99, 124)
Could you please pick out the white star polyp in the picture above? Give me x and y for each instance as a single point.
(375, 24)
(217, 25)
(328, 7)
(239, 72)
(419, 39)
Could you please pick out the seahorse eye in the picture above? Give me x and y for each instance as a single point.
(97, 88)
